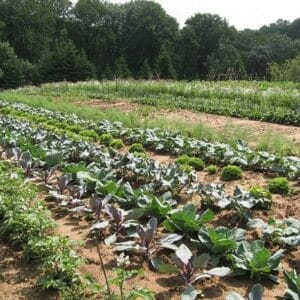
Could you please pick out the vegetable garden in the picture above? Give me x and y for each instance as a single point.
(193, 238)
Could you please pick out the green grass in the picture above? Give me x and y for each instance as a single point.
(73, 98)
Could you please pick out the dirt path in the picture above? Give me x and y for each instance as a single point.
(17, 279)
(218, 122)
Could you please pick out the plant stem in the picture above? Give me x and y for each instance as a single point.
(103, 268)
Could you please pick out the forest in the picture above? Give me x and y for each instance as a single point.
(55, 40)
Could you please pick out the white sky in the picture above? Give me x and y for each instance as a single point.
(240, 13)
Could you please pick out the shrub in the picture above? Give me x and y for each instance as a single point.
(196, 163)
(279, 185)
(137, 147)
(116, 143)
(212, 169)
(231, 173)
(106, 139)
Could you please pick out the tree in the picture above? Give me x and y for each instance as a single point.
(64, 62)
(121, 68)
(108, 74)
(198, 39)
(145, 27)
(30, 25)
(94, 27)
(146, 72)
(226, 61)
(11, 67)
(288, 71)
(164, 66)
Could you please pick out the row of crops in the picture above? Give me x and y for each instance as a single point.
(136, 205)
(277, 103)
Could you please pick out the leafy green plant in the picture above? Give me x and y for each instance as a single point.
(183, 159)
(220, 241)
(122, 274)
(256, 293)
(292, 280)
(231, 173)
(194, 162)
(279, 185)
(255, 259)
(186, 265)
(187, 220)
(259, 192)
(90, 134)
(117, 144)
(136, 147)
(212, 169)
(147, 242)
(106, 139)
(285, 231)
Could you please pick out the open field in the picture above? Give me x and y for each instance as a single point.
(150, 187)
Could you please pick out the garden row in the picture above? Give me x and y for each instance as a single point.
(166, 141)
(278, 103)
(134, 203)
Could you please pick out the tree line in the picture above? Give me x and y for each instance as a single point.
(53, 40)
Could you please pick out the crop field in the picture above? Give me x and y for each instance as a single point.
(107, 193)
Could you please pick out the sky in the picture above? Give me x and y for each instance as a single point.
(240, 13)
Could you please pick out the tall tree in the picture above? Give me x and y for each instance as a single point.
(64, 62)
(30, 25)
(145, 27)
(94, 28)
(198, 39)
(11, 67)
(164, 65)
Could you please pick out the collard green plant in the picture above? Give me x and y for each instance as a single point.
(220, 241)
(256, 293)
(254, 259)
(187, 220)
(285, 231)
(292, 280)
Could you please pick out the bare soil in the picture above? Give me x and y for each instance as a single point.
(18, 280)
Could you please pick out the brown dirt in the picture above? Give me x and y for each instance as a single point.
(17, 279)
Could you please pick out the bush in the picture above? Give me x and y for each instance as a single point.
(212, 169)
(116, 143)
(106, 139)
(231, 173)
(279, 185)
(137, 147)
